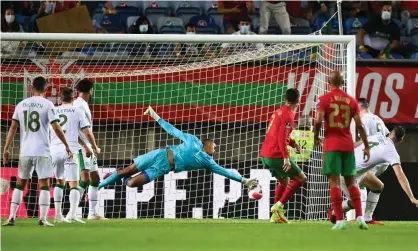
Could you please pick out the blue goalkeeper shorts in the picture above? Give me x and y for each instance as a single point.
(155, 164)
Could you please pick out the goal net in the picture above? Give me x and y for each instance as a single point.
(222, 87)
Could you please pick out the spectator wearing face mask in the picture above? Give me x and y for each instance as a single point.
(233, 11)
(244, 29)
(9, 24)
(380, 35)
(141, 26)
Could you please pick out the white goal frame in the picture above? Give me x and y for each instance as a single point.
(310, 40)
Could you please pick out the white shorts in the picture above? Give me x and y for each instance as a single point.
(88, 163)
(344, 188)
(66, 168)
(379, 169)
(42, 166)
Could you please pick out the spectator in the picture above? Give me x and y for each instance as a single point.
(411, 7)
(380, 35)
(26, 8)
(278, 9)
(356, 8)
(9, 24)
(141, 26)
(190, 49)
(244, 29)
(299, 9)
(107, 7)
(234, 11)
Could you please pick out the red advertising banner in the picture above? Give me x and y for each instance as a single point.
(22, 212)
(392, 92)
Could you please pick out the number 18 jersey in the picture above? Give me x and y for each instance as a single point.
(339, 108)
(34, 115)
(72, 120)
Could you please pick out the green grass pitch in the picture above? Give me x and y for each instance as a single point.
(206, 235)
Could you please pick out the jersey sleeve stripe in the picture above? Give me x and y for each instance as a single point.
(394, 164)
(16, 120)
(82, 128)
(55, 120)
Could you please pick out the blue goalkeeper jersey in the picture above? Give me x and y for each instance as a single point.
(190, 155)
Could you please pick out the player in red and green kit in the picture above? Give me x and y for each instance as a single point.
(275, 156)
(337, 108)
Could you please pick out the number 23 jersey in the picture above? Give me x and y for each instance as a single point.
(34, 116)
(339, 108)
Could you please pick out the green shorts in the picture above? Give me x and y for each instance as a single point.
(276, 167)
(339, 163)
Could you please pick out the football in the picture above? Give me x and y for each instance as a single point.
(4, 186)
(255, 193)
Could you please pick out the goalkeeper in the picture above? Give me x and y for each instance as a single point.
(192, 154)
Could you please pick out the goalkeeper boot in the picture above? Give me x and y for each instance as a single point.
(10, 222)
(96, 217)
(340, 225)
(280, 212)
(361, 223)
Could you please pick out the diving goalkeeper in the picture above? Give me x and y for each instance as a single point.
(192, 154)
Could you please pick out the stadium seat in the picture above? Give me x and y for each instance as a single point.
(364, 56)
(219, 20)
(395, 55)
(153, 14)
(255, 21)
(170, 25)
(206, 30)
(397, 22)
(130, 20)
(301, 30)
(125, 12)
(206, 5)
(414, 56)
(205, 25)
(412, 23)
(110, 28)
(353, 24)
(111, 21)
(137, 4)
(185, 13)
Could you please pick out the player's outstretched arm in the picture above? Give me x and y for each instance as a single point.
(9, 138)
(60, 134)
(403, 181)
(363, 135)
(92, 140)
(169, 128)
(215, 168)
(319, 117)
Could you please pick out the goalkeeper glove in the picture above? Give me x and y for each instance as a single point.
(152, 113)
(249, 183)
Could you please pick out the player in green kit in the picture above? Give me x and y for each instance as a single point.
(275, 156)
(337, 108)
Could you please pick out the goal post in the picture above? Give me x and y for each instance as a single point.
(224, 87)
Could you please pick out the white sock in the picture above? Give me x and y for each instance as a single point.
(363, 192)
(372, 200)
(74, 201)
(58, 194)
(93, 199)
(44, 203)
(14, 205)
